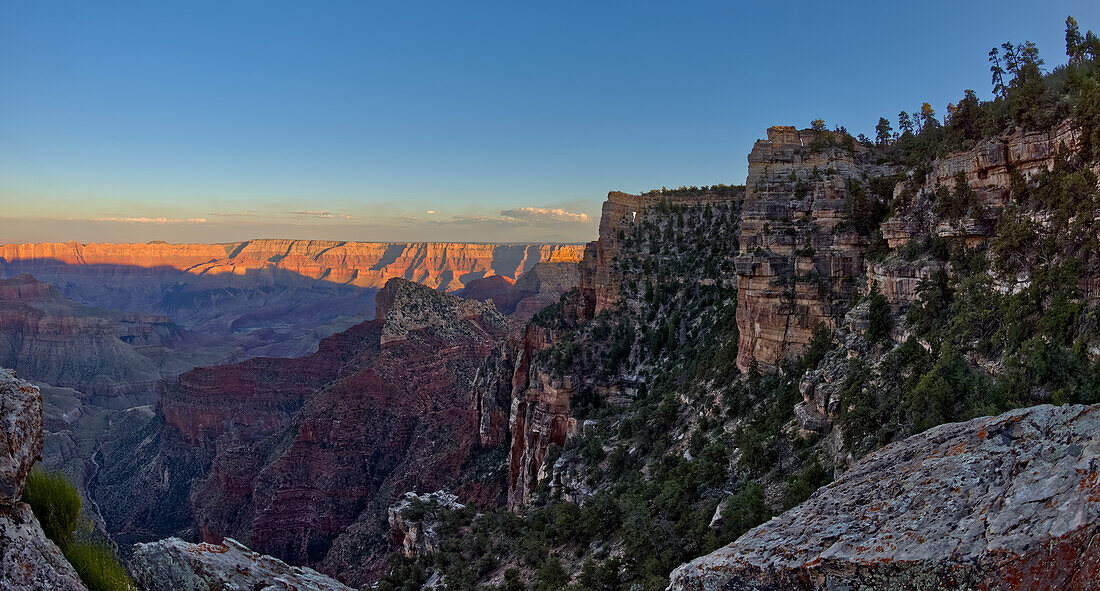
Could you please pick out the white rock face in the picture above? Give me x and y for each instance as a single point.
(175, 565)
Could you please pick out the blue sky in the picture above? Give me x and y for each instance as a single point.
(448, 121)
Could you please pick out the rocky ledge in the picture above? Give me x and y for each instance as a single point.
(175, 565)
(1006, 502)
(28, 560)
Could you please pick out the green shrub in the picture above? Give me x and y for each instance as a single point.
(55, 502)
(98, 566)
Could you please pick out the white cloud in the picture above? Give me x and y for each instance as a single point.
(153, 220)
(320, 214)
(544, 215)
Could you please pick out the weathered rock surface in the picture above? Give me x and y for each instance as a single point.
(988, 168)
(413, 521)
(175, 565)
(21, 420)
(28, 560)
(1006, 502)
(800, 248)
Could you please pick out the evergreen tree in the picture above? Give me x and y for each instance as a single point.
(904, 123)
(883, 132)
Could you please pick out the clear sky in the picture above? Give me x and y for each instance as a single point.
(449, 121)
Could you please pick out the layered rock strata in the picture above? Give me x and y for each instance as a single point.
(800, 249)
(307, 453)
(1006, 502)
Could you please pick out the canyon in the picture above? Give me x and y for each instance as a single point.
(269, 297)
(699, 316)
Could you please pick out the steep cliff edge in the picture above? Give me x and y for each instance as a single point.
(1006, 502)
(28, 560)
(525, 393)
(802, 238)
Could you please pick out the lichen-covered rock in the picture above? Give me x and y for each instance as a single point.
(413, 520)
(28, 560)
(1006, 502)
(21, 421)
(175, 565)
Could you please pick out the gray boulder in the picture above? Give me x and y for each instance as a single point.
(1006, 502)
(174, 565)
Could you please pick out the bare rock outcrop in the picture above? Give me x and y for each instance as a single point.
(801, 248)
(1005, 502)
(413, 521)
(28, 559)
(175, 565)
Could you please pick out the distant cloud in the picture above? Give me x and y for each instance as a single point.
(235, 215)
(537, 215)
(432, 211)
(320, 214)
(153, 220)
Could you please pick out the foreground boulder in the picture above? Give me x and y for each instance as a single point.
(1006, 502)
(175, 565)
(28, 559)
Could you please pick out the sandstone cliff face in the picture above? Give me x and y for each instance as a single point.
(622, 214)
(175, 565)
(1006, 502)
(800, 249)
(308, 452)
(444, 266)
(542, 285)
(28, 560)
(988, 168)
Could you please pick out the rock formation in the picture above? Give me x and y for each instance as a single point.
(299, 457)
(413, 521)
(800, 248)
(519, 399)
(28, 560)
(175, 565)
(1006, 502)
(542, 285)
(622, 213)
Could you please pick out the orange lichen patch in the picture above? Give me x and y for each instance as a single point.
(1090, 482)
(208, 547)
